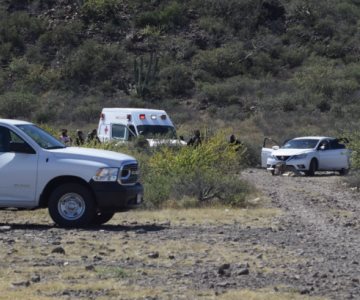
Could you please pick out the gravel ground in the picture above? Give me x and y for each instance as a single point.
(321, 223)
(310, 248)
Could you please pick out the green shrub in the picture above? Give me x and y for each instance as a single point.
(171, 16)
(214, 26)
(93, 63)
(177, 80)
(101, 10)
(205, 173)
(222, 62)
(241, 15)
(17, 105)
(18, 29)
(61, 36)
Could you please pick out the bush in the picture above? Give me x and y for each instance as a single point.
(63, 36)
(93, 63)
(101, 10)
(205, 173)
(171, 16)
(222, 62)
(17, 105)
(177, 80)
(18, 29)
(241, 15)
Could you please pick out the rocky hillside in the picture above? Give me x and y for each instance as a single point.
(282, 67)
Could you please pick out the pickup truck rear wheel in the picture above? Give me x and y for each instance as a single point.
(102, 217)
(72, 205)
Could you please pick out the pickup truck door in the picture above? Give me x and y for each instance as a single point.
(18, 170)
(266, 150)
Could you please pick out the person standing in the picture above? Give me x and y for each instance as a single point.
(80, 140)
(195, 140)
(64, 138)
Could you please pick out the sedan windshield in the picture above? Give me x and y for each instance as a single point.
(301, 144)
(157, 131)
(41, 137)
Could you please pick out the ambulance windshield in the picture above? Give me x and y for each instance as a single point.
(157, 131)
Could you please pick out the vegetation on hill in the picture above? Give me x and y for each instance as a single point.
(271, 67)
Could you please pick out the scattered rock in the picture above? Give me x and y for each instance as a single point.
(35, 278)
(21, 284)
(58, 250)
(224, 270)
(90, 268)
(244, 271)
(154, 254)
(5, 228)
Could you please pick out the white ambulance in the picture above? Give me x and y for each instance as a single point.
(124, 124)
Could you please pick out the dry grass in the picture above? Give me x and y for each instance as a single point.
(206, 216)
(125, 261)
(264, 295)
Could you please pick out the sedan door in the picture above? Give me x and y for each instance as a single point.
(266, 150)
(18, 170)
(333, 156)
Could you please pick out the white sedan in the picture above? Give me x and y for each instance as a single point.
(308, 155)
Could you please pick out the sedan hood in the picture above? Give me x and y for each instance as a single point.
(291, 152)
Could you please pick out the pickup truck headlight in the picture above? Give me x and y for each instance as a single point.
(300, 156)
(106, 174)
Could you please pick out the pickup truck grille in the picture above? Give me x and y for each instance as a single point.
(282, 158)
(129, 174)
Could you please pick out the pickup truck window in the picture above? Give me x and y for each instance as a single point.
(11, 142)
(4, 139)
(41, 137)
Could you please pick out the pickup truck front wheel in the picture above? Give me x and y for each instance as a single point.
(72, 205)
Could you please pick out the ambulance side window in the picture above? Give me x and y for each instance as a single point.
(132, 132)
(118, 131)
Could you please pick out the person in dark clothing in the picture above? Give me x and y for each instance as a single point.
(92, 136)
(233, 141)
(195, 140)
(80, 140)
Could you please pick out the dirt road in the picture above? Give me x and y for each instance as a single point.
(303, 243)
(320, 222)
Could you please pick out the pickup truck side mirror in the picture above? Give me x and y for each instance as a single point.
(21, 148)
(275, 147)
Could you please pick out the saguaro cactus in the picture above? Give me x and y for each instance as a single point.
(145, 74)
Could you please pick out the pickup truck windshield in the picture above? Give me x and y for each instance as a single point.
(157, 131)
(301, 144)
(41, 137)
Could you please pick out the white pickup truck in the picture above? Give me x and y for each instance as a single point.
(80, 186)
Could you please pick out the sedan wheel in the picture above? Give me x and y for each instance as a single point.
(312, 168)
